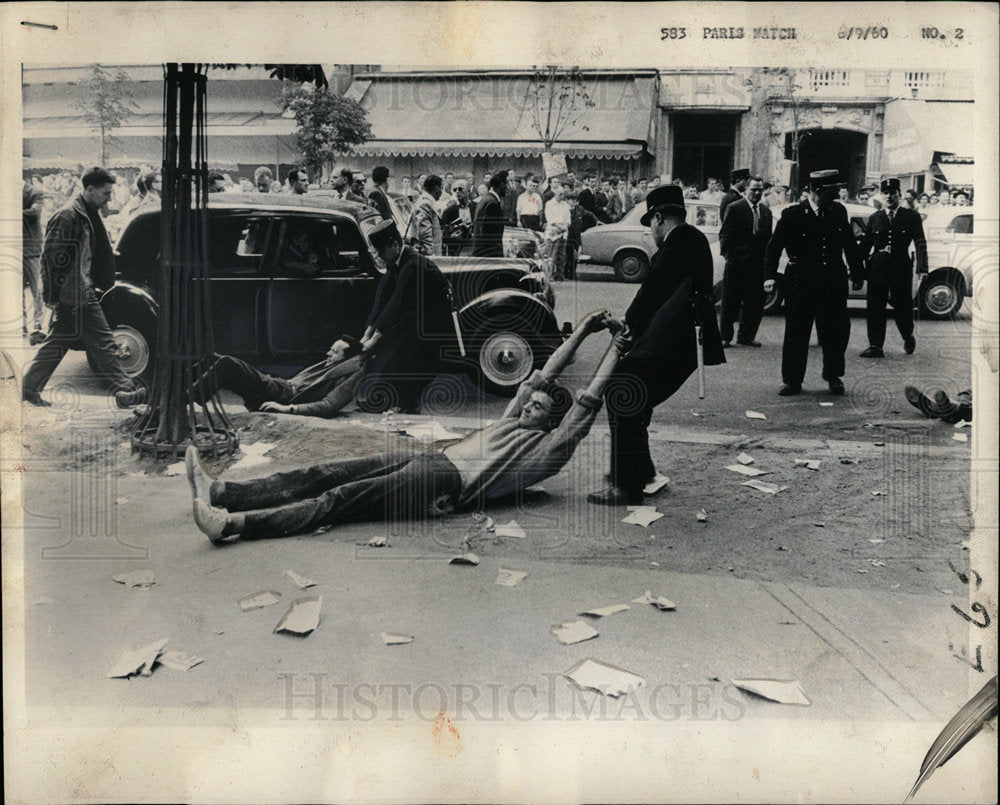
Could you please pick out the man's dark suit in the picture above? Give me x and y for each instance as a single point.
(743, 245)
(487, 231)
(815, 285)
(456, 232)
(732, 194)
(664, 354)
(380, 202)
(890, 271)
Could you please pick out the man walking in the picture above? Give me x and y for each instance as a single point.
(525, 446)
(743, 238)
(891, 231)
(674, 298)
(816, 234)
(487, 235)
(31, 268)
(78, 263)
(737, 184)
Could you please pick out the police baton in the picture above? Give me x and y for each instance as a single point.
(454, 318)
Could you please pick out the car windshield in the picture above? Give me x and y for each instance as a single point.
(961, 225)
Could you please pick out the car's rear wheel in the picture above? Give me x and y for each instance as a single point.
(135, 344)
(631, 266)
(505, 359)
(940, 297)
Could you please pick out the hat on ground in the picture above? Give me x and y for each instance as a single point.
(667, 198)
(382, 233)
(825, 178)
(739, 175)
(890, 186)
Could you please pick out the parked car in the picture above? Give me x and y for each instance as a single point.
(269, 311)
(627, 245)
(939, 294)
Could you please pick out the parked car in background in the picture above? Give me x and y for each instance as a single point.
(280, 313)
(627, 245)
(939, 294)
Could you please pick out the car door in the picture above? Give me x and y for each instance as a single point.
(322, 286)
(238, 242)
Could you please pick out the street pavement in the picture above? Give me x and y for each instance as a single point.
(882, 670)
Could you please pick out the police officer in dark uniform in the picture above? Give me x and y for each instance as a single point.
(737, 184)
(816, 234)
(890, 268)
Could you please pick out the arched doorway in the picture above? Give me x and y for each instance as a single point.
(821, 149)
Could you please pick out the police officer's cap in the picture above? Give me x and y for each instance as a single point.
(825, 178)
(739, 175)
(382, 233)
(890, 186)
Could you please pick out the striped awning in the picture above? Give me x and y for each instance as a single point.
(498, 148)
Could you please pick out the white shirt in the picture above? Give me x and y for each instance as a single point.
(558, 217)
(529, 203)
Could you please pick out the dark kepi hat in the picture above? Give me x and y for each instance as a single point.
(739, 175)
(382, 233)
(667, 198)
(890, 186)
(825, 178)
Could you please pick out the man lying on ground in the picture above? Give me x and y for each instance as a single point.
(520, 449)
(941, 407)
(322, 389)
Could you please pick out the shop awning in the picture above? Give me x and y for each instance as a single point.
(493, 115)
(958, 174)
(917, 131)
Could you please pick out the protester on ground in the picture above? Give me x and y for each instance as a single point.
(939, 406)
(524, 447)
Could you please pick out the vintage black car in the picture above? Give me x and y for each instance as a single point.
(280, 313)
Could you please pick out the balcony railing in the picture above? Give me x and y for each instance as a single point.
(836, 82)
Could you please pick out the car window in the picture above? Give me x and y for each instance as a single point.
(237, 243)
(960, 225)
(307, 247)
(703, 215)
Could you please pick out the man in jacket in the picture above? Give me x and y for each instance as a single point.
(456, 220)
(424, 233)
(737, 184)
(743, 238)
(528, 444)
(816, 234)
(407, 327)
(322, 390)
(31, 267)
(487, 232)
(891, 232)
(78, 264)
(378, 198)
(674, 298)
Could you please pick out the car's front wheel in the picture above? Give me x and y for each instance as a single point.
(505, 359)
(135, 342)
(631, 266)
(940, 297)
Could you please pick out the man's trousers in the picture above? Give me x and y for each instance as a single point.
(822, 302)
(389, 487)
(899, 289)
(742, 300)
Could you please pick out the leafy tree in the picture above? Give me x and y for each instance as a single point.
(328, 125)
(106, 103)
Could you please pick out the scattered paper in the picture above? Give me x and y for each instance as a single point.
(376, 542)
(259, 600)
(511, 529)
(575, 631)
(136, 578)
(483, 521)
(299, 581)
(657, 601)
(174, 469)
(396, 639)
(960, 437)
(963, 424)
(755, 415)
(253, 455)
(743, 470)
(508, 577)
(775, 690)
(302, 616)
(610, 680)
(642, 515)
(179, 661)
(121, 501)
(701, 515)
(782, 548)
(429, 432)
(876, 540)
(848, 461)
(465, 559)
(877, 563)
(895, 586)
(771, 489)
(745, 458)
(878, 493)
(138, 660)
(827, 404)
(808, 463)
(654, 486)
(862, 570)
(946, 591)
(601, 612)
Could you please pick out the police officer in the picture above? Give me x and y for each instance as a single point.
(816, 234)
(890, 268)
(737, 184)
